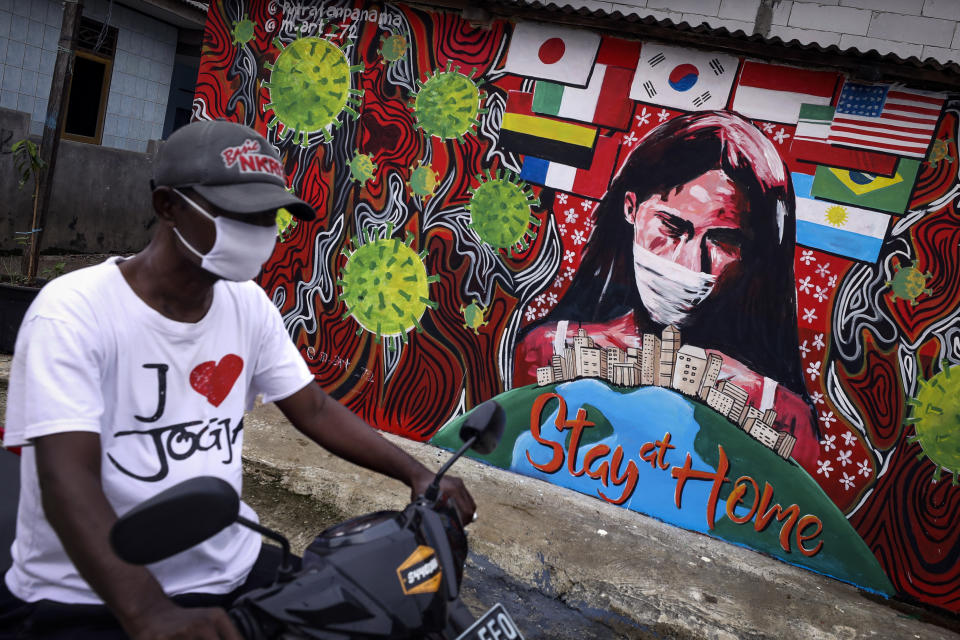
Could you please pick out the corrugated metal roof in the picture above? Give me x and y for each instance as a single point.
(870, 64)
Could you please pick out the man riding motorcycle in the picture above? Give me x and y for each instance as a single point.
(133, 375)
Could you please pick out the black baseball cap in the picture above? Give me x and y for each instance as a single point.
(230, 165)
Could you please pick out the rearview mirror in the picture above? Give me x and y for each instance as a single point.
(174, 520)
(486, 422)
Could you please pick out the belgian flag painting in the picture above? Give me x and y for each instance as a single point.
(525, 132)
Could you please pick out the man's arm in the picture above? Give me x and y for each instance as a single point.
(342, 432)
(68, 467)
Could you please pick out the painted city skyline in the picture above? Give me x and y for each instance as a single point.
(664, 361)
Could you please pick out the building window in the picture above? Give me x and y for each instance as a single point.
(90, 84)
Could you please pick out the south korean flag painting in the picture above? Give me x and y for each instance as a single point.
(681, 78)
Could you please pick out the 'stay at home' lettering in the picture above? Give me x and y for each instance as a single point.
(599, 464)
(607, 471)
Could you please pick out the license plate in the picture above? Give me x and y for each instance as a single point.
(495, 624)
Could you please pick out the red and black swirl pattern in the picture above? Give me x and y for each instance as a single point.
(939, 172)
(910, 524)
(908, 521)
(877, 394)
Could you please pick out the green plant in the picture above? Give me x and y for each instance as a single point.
(57, 269)
(27, 161)
(28, 165)
(10, 272)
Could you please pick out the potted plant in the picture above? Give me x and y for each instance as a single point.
(17, 288)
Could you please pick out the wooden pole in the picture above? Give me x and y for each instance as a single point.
(52, 126)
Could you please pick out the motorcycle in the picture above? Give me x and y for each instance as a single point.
(388, 574)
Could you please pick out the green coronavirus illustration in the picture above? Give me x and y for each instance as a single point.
(939, 152)
(362, 168)
(423, 180)
(393, 47)
(447, 104)
(286, 223)
(473, 317)
(936, 417)
(908, 283)
(242, 31)
(500, 211)
(385, 285)
(310, 87)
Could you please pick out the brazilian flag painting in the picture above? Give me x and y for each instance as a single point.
(868, 190)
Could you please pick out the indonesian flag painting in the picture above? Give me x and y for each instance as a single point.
(552, 53)
(685, 79)
(774, 92)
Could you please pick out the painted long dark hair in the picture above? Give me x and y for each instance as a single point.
(752, 318)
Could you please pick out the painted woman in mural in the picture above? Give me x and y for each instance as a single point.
(697, 232)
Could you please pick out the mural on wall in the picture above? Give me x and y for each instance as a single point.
(719, 291)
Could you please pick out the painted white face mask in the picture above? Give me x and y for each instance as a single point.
(240, 249)
(670, 291)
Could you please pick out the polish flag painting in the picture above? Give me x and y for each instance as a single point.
(885, 118)
(774, 93)
(552, 53)
(681, 78)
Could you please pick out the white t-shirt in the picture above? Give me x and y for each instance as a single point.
(167, 399)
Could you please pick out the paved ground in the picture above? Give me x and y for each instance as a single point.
(566, 565)
(567, 559)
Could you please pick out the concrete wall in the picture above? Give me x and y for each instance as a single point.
(922, 28)
(101, 200)
(502, 184)
(142, 67)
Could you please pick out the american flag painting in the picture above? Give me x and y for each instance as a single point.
(884, 118)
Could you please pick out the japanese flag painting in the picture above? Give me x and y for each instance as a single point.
(552, 53)
(681, 78)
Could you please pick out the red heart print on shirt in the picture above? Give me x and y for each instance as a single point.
(214, 380)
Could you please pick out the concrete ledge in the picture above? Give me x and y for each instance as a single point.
(575, 566)
(662, 580)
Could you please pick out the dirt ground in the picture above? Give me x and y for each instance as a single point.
(53, 264)
(300, 518)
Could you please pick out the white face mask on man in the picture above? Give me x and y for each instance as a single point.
(669, 291)
(240, 248)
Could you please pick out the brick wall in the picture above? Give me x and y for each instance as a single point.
(922, 28)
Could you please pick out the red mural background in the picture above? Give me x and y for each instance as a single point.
(864, 352)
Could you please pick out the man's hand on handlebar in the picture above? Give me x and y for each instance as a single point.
(181, 623)
(451, 488)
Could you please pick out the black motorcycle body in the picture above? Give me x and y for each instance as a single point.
(389, 574)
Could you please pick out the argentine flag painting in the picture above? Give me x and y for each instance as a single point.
(837, 228)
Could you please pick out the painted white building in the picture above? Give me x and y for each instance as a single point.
(132, 88)
(689, 369)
